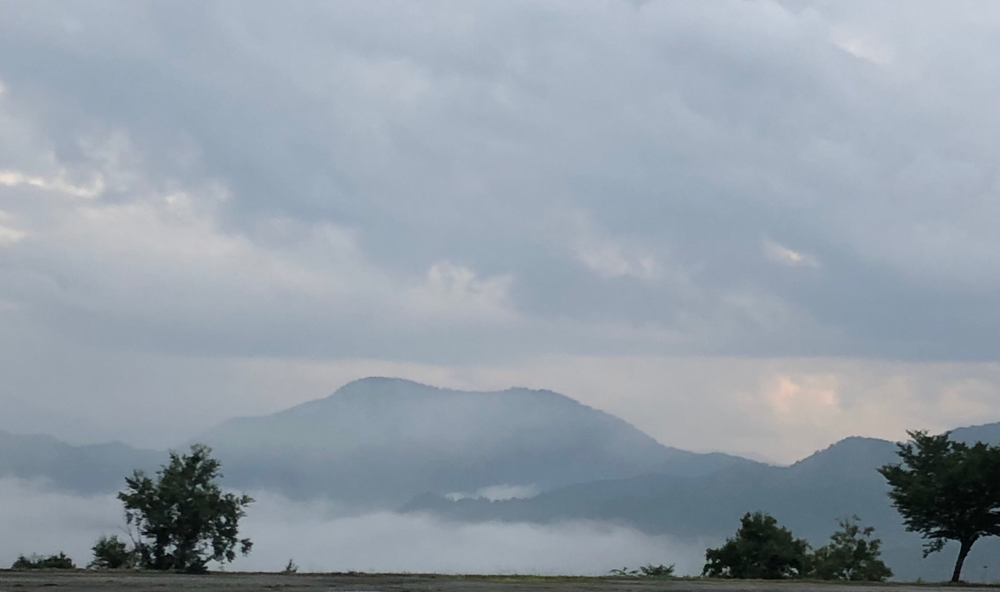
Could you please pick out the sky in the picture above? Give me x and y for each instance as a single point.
(751, 226)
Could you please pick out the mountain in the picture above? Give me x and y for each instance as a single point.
(988, 433)
(381, 441)
(99, 468)
(390, 443)
(808, 497)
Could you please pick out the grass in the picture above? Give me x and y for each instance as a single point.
(505, 578)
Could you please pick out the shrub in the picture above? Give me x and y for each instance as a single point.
(60, 561)
(112, 553)
(852, 554)
(646, 571)
(657, 571)
(760, 550)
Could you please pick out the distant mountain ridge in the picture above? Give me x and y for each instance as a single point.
(808, 496)
(99, 468)
(384, 440)
(395, 444)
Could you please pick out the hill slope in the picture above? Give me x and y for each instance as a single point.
(808, 497)
(99, 468)
(381, 441)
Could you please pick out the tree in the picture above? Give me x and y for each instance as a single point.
(947, 491)
(183, 518)
(852, 554)
(112, 553)
(760, 550)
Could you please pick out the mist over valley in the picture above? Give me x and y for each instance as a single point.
(392, 475)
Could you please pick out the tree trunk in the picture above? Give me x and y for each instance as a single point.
(963, 552)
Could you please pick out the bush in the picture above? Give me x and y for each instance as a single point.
(763, 550)
(112, 553)
(646, 571)
(60, 561)
(657, 571)
(760, 550)
(852, 554)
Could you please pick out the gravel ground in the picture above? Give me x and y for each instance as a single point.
(153, 582)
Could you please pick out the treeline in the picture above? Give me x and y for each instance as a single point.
(763, 550)
(181, 520)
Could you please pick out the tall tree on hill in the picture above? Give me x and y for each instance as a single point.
(183, 518)
(947, 491)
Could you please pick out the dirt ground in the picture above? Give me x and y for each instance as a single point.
(152, 582)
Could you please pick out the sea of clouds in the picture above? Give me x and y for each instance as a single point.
(324, 536)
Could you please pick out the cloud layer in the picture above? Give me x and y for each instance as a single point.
(483, 185)
(279, 177)
(320, 538)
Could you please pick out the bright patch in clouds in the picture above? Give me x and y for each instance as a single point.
(608, 260)
(609, 257)
(814, 396)
(59, 184)
(8, 234)
(782, 255)
(865, 47)
(456, 292)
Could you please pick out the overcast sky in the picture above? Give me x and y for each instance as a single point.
(753, 226)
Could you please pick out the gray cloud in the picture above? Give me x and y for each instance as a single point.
(458, 183)
(482, 135)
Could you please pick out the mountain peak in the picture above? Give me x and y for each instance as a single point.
(846, 453)
(382, 384)
(399, 437)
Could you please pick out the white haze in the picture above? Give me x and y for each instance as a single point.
(497, 493)
(319, 536)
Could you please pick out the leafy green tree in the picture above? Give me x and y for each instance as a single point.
(760, 550)
(183, 518)
(947, 491)
(112, 553)
(852, 554)
(60, 561)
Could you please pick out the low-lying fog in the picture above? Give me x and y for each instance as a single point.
(320, 536)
